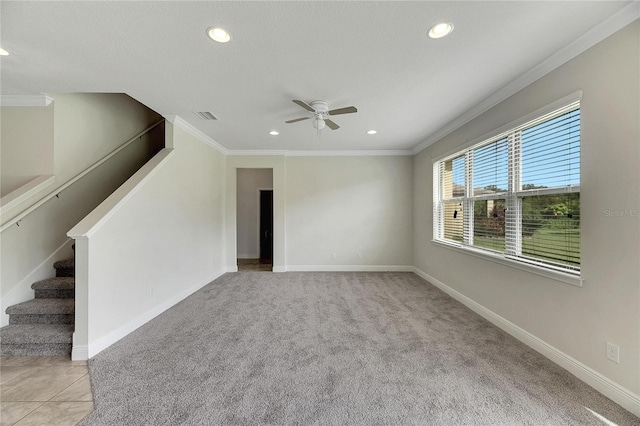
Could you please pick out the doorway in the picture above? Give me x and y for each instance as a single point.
(266, 226)
(254, 211)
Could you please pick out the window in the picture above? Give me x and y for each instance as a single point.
(516, 195)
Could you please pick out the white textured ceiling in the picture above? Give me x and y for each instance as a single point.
(374, 55)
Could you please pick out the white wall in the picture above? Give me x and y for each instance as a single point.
(577, 321)
(161, 239)
(27, 145)
(358, 208)
(249, 182)
(29, 250)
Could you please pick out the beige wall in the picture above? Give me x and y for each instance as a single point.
(250, 181)
(29, 250)
(359, 208)
(88, 126)
(576, 320)
(163, 240)
(81, 129)
(27, 145)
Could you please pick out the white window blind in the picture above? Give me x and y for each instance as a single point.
(490, 176)
(517, 194)
(452, 191)
(549, 192)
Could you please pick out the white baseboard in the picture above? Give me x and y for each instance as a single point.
(278, 268)
(104, 342)
(349, 268)
(622, 396)
(231, 268)
(79, 352)
(22, 291)
(248, 256)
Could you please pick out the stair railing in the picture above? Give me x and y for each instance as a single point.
(56, 193)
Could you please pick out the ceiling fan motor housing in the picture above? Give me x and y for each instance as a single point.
(320, 107)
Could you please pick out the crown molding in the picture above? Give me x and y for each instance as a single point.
(350, 153)
(25, 100)
(189, 128)
(605, 29)
(335, 153)
(258, 152)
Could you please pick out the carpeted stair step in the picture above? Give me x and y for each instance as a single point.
(55, 288)
(36, 339)
(65, 268)
(43, 311)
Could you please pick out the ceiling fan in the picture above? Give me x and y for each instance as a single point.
(321, 114)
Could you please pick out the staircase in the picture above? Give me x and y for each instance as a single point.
(43, 326)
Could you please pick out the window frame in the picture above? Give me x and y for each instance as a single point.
(511, 256)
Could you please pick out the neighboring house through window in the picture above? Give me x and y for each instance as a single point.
(516, 195)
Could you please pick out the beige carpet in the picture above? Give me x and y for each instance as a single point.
(332, 349)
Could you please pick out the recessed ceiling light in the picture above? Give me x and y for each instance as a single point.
(440, 29)
(218, 34)
(274, 133)
(371, 132)
(3, 52)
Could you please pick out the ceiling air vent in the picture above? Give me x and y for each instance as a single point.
(205, 115)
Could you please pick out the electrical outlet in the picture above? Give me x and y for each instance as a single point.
(333, 255)
(613, 352)
(151, 291)
(359, 255)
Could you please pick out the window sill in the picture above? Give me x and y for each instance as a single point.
(563, 277)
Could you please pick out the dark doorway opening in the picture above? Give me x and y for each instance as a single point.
(266, 226)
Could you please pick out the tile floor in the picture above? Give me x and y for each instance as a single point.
(47, 390)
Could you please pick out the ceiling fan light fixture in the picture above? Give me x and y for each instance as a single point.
(218, 34)
(318, 123)
(372, 132)
(274, 133)
(3, 52)
(441, 29)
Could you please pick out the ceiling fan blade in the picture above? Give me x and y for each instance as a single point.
(304, 105)
(295, 120)
(330, 124)
(345, 110)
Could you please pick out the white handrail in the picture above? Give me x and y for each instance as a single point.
(77, 177)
